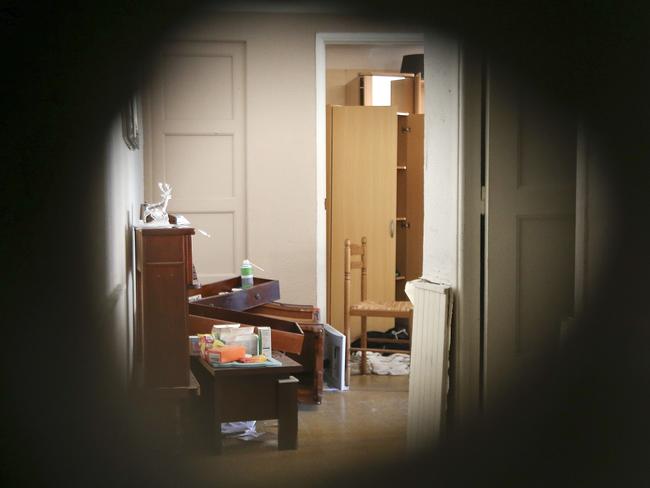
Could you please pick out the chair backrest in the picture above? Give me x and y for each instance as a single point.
(351, 252)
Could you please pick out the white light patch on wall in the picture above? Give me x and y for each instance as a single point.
(381, 90)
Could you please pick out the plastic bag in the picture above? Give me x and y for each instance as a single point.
(245, 431)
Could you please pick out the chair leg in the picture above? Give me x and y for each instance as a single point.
(346, 331)
(364, 343)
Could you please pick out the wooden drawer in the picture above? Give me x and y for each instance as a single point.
(286, 336)
(310, 389)
(263, 291)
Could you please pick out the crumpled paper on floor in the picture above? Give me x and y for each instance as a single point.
(396, 364)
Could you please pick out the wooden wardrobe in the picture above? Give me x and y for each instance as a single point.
(362, 199)
(375, 169)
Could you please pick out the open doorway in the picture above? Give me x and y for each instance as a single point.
(370, 92)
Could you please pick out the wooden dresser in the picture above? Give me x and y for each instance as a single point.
(163, 272)
(164, 281)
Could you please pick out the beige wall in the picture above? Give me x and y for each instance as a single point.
(380, 58)
(122, 193)
(281, 134)
(441, 169)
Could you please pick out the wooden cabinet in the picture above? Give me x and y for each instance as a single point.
(163, 273)
(404, 91)
(407, 95)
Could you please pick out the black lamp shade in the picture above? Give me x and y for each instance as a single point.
(413, 63)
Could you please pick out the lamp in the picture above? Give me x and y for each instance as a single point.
(413, 63)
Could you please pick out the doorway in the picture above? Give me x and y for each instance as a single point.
(340, 59)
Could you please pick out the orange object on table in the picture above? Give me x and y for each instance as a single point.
(226, 354)
(260, 358)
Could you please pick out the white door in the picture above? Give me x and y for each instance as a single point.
(195, 142)
(530, 222)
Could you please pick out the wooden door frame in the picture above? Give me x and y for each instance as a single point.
(471, 206)
(324, 39)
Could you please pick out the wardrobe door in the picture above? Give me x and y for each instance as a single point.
(362, 150)
(413, 126)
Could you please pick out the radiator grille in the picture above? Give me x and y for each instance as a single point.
(429, 379)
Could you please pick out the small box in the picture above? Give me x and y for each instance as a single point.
(226, 335)
(225, 354)
(195, 348)
(218, 329)
(264, 334)
(249, 341)
(206, 341)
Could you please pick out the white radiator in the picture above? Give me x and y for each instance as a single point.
(429, 379)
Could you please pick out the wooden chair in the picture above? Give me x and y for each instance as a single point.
(367, 308)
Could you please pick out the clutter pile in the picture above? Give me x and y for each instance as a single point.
(376, 363)
(234, 345)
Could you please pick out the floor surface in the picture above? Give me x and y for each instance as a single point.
(363, 426)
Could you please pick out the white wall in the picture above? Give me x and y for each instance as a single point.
(441, 170)
(281, 134)
(123, 184)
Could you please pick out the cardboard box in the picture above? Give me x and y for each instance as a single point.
(218, 329)
(249, 341)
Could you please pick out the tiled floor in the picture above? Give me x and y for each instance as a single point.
(360, 427)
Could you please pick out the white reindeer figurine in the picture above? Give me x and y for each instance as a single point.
(158, 211)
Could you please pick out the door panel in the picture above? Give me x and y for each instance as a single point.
(530, 222)
(414, 195)
(197, 137)
(361, 202)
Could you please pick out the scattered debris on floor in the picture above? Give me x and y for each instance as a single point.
(396, 364)
(244, 431)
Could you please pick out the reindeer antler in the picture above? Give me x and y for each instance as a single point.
(165, 188)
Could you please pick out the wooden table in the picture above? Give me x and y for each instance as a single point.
(249, 393)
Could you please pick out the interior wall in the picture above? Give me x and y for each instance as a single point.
(123, 184)
(441, 163)
(281, 134)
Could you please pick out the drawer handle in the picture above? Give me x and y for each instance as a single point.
(257, 296)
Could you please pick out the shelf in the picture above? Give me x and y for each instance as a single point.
(404, 114)
(402, 168)
(400, 278)
(401, 219)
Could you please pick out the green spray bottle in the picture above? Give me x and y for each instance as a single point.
(247, 273)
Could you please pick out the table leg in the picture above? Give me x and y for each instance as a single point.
(288, 413)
